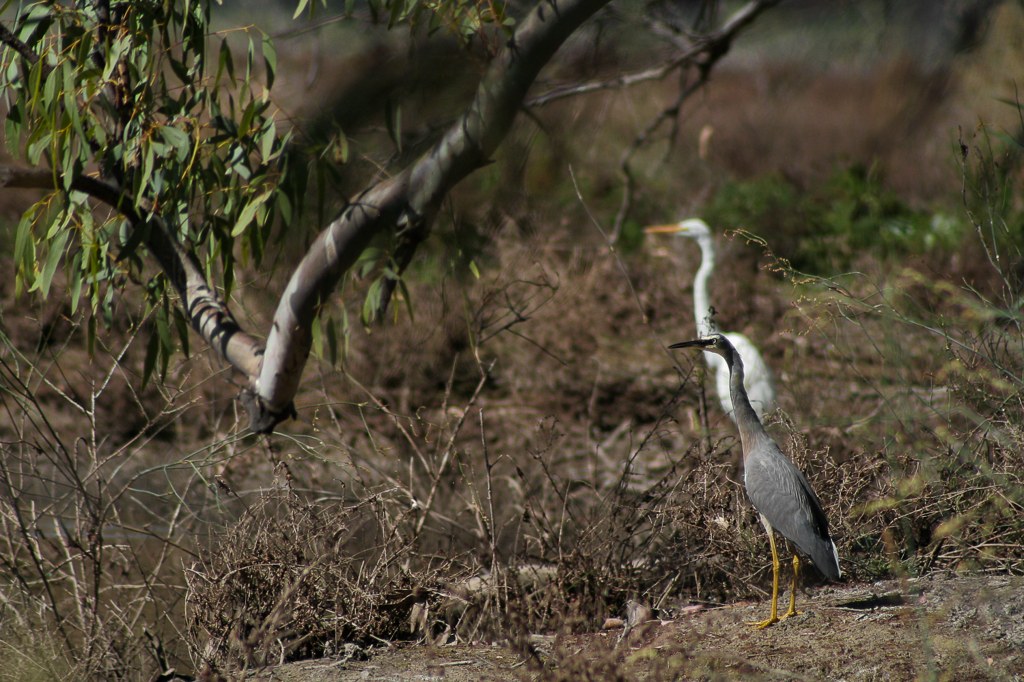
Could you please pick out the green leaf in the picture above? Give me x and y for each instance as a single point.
(181, 71)
(24, 245)
(52, 261)
(148, 161)
(248, 115)
(152, 350)
(69, 168)
(49, 91)
(393, 118)
(367, 260)
(226, 62)
(270, 59)
(132, 237)
(35, 79)
(37, 143)
(12, 129)
(163, 332)
(35, 23)
(56, 225)
(404, 290)
(228, 266)
(300, 9)
(238, 162)
(284, 208)
(75, 274)
(90, 335)
(317, 338)
(267, 139)
(343, 141)
(332, 341)
(178, 139)
(248, 212)
(372, 302)
(107, 307)
(249, 56)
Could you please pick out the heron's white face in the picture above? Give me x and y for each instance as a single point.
(720, 345)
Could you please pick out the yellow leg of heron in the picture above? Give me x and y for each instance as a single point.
(792, 589)
(774, 617)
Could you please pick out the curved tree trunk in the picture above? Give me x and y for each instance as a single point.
(410, 199)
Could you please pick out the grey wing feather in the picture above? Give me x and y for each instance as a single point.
(780, 491)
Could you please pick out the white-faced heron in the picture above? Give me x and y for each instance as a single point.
(778, 490)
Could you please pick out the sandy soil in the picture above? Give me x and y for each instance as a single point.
(934, 628)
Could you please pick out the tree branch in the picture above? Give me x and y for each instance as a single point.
(207, 313)
(705, 54)
(8, 38)
(408, 200)
(713, 46)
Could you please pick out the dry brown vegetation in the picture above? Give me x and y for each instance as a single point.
(519, 454)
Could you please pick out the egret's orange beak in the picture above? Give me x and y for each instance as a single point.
(662, 229)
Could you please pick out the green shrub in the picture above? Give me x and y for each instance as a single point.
(826, 229)
(769, 205)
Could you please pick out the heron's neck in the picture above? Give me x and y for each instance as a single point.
(701, 299)
(751, 429)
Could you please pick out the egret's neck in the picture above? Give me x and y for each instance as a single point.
(701, 299)
(751, 429)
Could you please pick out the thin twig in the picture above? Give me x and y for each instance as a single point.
(485, 374)
(714, 45)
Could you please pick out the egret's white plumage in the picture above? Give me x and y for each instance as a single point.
(758, 379)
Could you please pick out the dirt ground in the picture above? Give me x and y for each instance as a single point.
(933, 628)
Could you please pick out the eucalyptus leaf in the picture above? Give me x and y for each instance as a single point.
(178, 139)
(53, 256)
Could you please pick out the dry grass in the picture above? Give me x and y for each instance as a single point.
(456, 482)
(295, 579)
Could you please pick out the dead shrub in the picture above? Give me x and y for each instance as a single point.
(89, 543)
(297, 579)
(936, 423)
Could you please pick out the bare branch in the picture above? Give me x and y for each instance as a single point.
(8, 38)
(670, 113)
(711, 48)
(704, 54)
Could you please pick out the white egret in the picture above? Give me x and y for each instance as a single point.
(759, 384)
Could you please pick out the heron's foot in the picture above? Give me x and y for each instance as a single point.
(762, 624)
(791, 612)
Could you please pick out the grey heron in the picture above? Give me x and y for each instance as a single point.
(759, 384)
(776, 487)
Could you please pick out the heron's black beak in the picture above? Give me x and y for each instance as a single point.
(698, 343)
